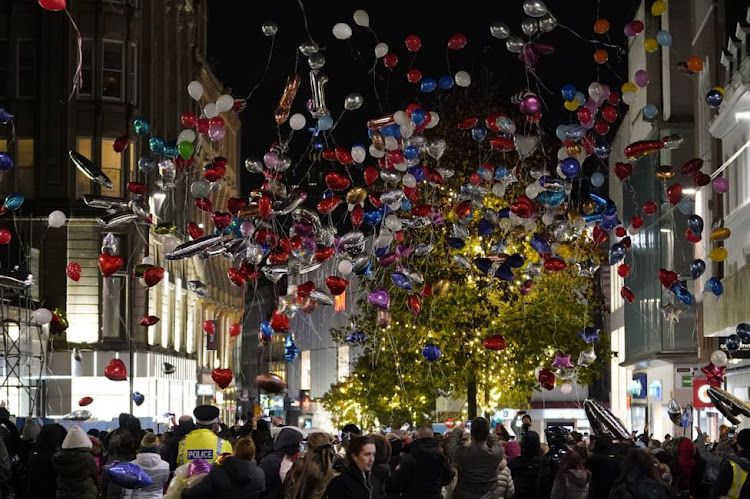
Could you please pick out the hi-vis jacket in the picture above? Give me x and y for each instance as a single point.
(201, 444)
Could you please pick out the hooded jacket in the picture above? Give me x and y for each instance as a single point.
(647, 488)
(574, 484)
(233, 478)
(525, 468)
(604, 467)
(122, 420)
(169, 452)
(157, 469)
(421, 472)
(686, 458)
(712, 459)
(76, 474)
(726, 474)
(353, 483)
(477, 464)
(286, 444)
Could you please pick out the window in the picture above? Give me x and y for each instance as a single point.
(112, 167)
(112, 70)
(305, 370)
(190, 330)
(113, 298)
(131, 161)
(25, 167)
(83, 184)
(87, 68)
(26, 68)
(165, 310)
(133, 74)
(179, 312)
(4, 64)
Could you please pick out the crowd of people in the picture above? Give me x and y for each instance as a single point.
(473, 461)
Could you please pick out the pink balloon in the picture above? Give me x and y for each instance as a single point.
(530, 105)
(721, 185)
(271, 159)
(247, 228)
(198, 467)
(216, 132)
(641, 78)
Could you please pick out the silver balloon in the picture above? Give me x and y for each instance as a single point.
(462, 262)
(393, 196)
(500, 30)
(198, 288)
(460, 231)
(535, 8)
(603, 421)
(674, 411)
(316, 61)
(308, 48)
(269, 28)
(529, 26)
(254, 253)
(79, 415)
(284, 163)
(423, 249)
(547, 23)
(317, 82)
(390, 176)
(586, 357)
(353, 101)
(200, 189)
(415, 222)
(321, 297)
(514, 44)
(254, 165)
(735, 405)
(77, 354)
(360, 262)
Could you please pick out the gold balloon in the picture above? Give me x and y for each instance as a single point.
(574, 149)
(562, 209)
(665, 172)
(589, 206)
(165, 228)
(572, 215)
(572, 105)
(441, 287)
(565, 251)
(356, 195)
(720, 234)
(249, 211)
(718, 254)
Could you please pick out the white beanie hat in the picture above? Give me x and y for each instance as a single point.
(76, 439)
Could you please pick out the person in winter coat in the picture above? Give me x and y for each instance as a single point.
(122, 421)
(381, 469)
(13, 443)
(572, 479)
(512, 449)
(169, 452)
(149, 460)
(687, 467)
(639, 478)
(525, 468)
(423, 470)
(505, 487)
(75, 467)
(396, 448)
(41, 477)
(712, 460)
(286, 445)
(356, 480)
(233, 477)
(729, 481)
(122, 450)
(98, 452)
(311, 474)
(477, 461)
(262, 439)
(604, 467)
(29, 434)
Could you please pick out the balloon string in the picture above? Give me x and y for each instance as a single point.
(620, 50)
(78, 76)
(265, 72)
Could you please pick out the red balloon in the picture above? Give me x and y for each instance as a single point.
(120, 144)
(53, 5)
(85, 401)
(209, 326)
(234, 205)
(265, 206)
(457, 41)
(547, 379)
(73, 270)
(371, 175)
(642, 148)
(627, 294)
(413, 43)
(667, 277)
(475, 179)
(601, 127)
(503, 144)
(390, 60)
(109, 264)
(554, 264)
(414, 75)
(421, 210)
(357, 215)
(115, 370)
(204, 204)
(222, 377)
(600, 235)
(149, 320)
(5, 236)
(217, 121)
(649, 207)
(691, 166)
(221, 219)
(266, 235)
(584, 115)
(623, 270)
(235, 330)
(468, 123)
(620, 231)
(329, 204)
(463, 209)
(323, 253)
(623, 170)
(237, 277)
(674, 193)
(215, 173)
(625, 241)
(494, 342)
(414, 304)
(279, 321)
(188, 119)
(194, 231)
(202, 125)
(136, 188)
(304, 289)
(153, 275)
(613, 98)
(636, 222)
(491, 122)
(336, 285)
(609, 113)
(700, 179)
(692, 236)
(329, 154)
(337, 182)
(714, 374)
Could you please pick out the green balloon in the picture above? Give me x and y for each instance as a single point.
(186, 149)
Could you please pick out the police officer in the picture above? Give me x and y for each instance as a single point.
(203, 443)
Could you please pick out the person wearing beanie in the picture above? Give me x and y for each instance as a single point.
(29, 433)
(733, 472)
(150, 461)
(75, 467)
(512, 449)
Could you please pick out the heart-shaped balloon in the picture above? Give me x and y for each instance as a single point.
(371, 174)
(324, 253)
(73, 270)
(194, 231)
(327, 205)
(337, 182)
(222, 377)
(138, 398)
(265, 206)
(674, 193)
(153, 275)
(221, 220)
(204, 204)
(649, 207)
(623, 170)
(109, 264)
(526, 145)
(115, 370)
(494, 342)
(234, 205)
(304, 289)
(215, 173)
(279, 321)
(436, 148)
(85, 401)
(380, 298)
(547, 379)
(700, 179)
(237, 277)
(414, 304)
(336, 285)
(667, 278)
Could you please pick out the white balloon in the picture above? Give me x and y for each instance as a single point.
(719, 358)
(41, 316)
(462, 79)
(195, 89)
(169, 244)
(401, 118)
(210, 110)
(345, 267)
(225, 103)
(562, 153)
(297, 121)
(186, 135)
(391, 144)
(505, 223)
(393, 222)
(359, 154)
(629, 97)
(407, 129)
(409, 180)
(383, 240)
(148, 260)
(532, 190)
(579, 222)
(401, 167)
(498, 189)
(56, 219)
(375, 152)
(434, 121)
(566, 388)
(548, 218)
(342, 31)
(381, 49)
(361, 18)
(530, 226)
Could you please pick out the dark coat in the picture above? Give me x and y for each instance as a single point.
(172, 445)
(111, 490)
(234, 478)
(647, 488)
(352, 483)
(524, 470)
(42, 479)
(726, 473)
(76, 474)
(478, 465)
(286, 444)
(604, 467)
(422, 471)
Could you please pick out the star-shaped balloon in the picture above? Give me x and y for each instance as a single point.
(586, 357)
(566, 373)
(5, 116)
(356, 337)
(289, 304)
(587, 268)
(562, 360)
(714, 374)
(290, 349)
(589, 334)
(670, 313)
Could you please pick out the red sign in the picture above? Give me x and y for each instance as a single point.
(449, 423)
(700, 397)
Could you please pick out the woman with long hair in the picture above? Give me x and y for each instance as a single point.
(357, 481)
(639, 478)
(311, 474)
(572, 479)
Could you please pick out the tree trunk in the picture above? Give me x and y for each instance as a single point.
(471, 392)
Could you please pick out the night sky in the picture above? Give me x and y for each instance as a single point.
(238, 52)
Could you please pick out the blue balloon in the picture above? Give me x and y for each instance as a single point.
(686, 206)
(356, 337)
(418, 172)
(170, 149)
(743, 331)
(365, 271)
(431, 352)
(405, 204)
(551, 199)
(156, 144)
(417, 116)
(325, 122)
(514, 261)
(479, 133)
(128, 475)
(697, 268)
(597, 179)
(266, 330)
(290, 349)
(6, 161)
(570, 167)
(141, 127)
(395, 130)
(732, 343)
(138, 398)
(373, 217)
(580, 98)
(602, 150)
(664, 38)
(483, 264)
(589, 334)
(695, 223)
(504, 273)
(714, 286)
(13, 201)
(540, 244)
(617, 253)
(411, 152)
(569, 92)
(456, 242)
(682, 293)
(146, 164)
(501, 172)
(650, 111)
(560, 132)
(427, 86)
(5, 116)
(485, 227)
(446, 82)
(402, 281)
(714, 98)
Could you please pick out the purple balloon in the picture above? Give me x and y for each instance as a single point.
(380, 298)
(530, 105)
(641, 78)
(128, 476)
(387, 260)
(197, 467)
(402, 280)
(271, 159)
(5, 116)
(247, 228)
(721, 185)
